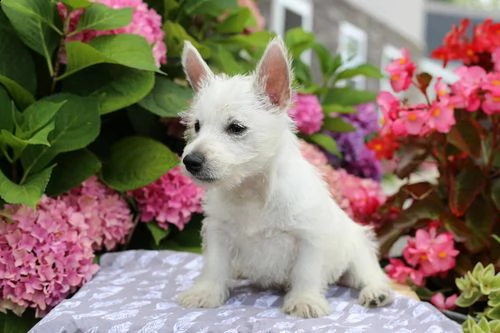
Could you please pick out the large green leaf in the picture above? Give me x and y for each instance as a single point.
(465, 136)
(347, 96)
(116, 86)
(167, 98)
(326, 142)
(224, 60)
(464, 189)
(175, 35)
(136, 161)
(35, 117)
(364, 70)
(12, 323)
(127, 50)
(77, 124)
(480, 218)
(17, 70)
(6, 114)
(235, 22)
(335, 108)
(213, 8)
(35, 22)
(329, 64)
(19, 144)
(256, 40)
(77, 4)
(297, 41)
(71, 170)
(101, 17)
(27, 193)
(338, 125)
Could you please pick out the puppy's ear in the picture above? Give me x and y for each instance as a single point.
(274, 75)
(195, 67)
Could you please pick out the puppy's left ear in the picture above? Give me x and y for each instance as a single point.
(196, 69)
(274, 75)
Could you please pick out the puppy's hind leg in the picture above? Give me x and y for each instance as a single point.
(365, 273)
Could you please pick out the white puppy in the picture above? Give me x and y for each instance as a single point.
(269, 215)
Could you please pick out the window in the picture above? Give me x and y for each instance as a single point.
(288, 14)
(353, 49)
(389, 53)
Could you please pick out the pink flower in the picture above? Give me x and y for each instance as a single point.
(491, 103)
(254, 9)
(440, 88)
(171, 199)
(44, 257)
(332, 179)
(145, 22)
(313, 154)
(307, 113)
(495, 56)
(389, 106)
(431, 252)
(102, 211)
(401, 72)
(415, 121)
(441, 116)
(443, 303)
(401, 273)
(467, 87)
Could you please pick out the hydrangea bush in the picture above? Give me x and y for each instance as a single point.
(450, 223)
(90, 92)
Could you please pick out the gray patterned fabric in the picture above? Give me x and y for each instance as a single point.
(134, 292)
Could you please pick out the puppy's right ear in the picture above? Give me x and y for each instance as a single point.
(196, 69)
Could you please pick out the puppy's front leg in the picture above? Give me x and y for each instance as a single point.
(306, 298)
(211, 288)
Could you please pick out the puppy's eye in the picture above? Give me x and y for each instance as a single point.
(197, 126)
(236, 128)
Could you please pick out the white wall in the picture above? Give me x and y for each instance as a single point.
(405, 16)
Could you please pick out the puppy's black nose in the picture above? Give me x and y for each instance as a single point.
(194, 162)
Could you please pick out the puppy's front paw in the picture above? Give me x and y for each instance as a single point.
(201, 296)
(375, 296)
(306, 306)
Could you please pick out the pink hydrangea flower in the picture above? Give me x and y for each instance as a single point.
(399, 272)
(171, 199)
(307, 113)
(44, 256)
(401, 72)
(433, 253)
(102, 211)
(444, 303)
(145, 22)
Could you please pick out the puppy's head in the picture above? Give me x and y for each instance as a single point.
(234, 124)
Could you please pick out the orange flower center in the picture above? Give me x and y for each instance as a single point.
(378, 147)
(495, 98)
(470, 52)
(442, 254)
(395, 77)
(402, 61)
(495, 82)
(436, 112)
(412, 117)
(423, 257)
(442, 92)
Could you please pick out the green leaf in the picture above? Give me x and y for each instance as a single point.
(77, 4)
(29, 193)
(116, 86)
(175, 35)
(236, 22)
(158, 233)
(224, 60)
(6, 116)
(410, 162)
(347, 96)
(212, 8)
(298, 40)
(338, 125)
(35, 23)
(101, 17)
(71, 170)
(76, 125)
(11, 323)
(335, 108)
(465, 302)
(302, 72)
(167, 98)
(464, 189)
(18, 144)
(329, 64)
(256, 40)
(136, 161)
(326, 142)
(17, 70)
(127, 50)
(36, 116)
(465, 136)
(480, 219)
(495, 192)
(366, 70)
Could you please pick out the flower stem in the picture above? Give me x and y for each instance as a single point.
(60, 48)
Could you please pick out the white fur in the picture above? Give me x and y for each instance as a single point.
(270, 216)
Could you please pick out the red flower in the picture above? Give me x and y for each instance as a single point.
(383, 146)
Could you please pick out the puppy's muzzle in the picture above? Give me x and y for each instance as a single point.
(194, 162)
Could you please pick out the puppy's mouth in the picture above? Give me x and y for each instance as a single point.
(205, 179)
